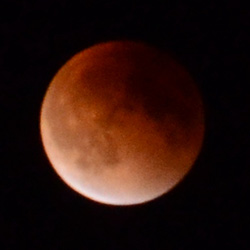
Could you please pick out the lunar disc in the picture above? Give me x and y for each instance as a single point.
(122, 122)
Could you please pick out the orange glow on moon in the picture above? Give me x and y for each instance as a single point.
(122, 123)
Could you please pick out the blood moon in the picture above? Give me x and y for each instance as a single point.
(122, 122)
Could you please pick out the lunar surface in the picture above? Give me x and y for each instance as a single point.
(122, 123)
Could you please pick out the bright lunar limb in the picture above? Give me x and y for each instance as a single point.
(122, 123)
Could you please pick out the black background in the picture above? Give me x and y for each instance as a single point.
(208, 210)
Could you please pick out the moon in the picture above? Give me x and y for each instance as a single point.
(122, 122)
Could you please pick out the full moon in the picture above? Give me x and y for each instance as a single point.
(122, 122)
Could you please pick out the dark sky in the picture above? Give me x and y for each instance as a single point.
(208, 210)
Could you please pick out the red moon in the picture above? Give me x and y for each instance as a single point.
(122, 123)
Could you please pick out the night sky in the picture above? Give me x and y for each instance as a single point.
(208, 209)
